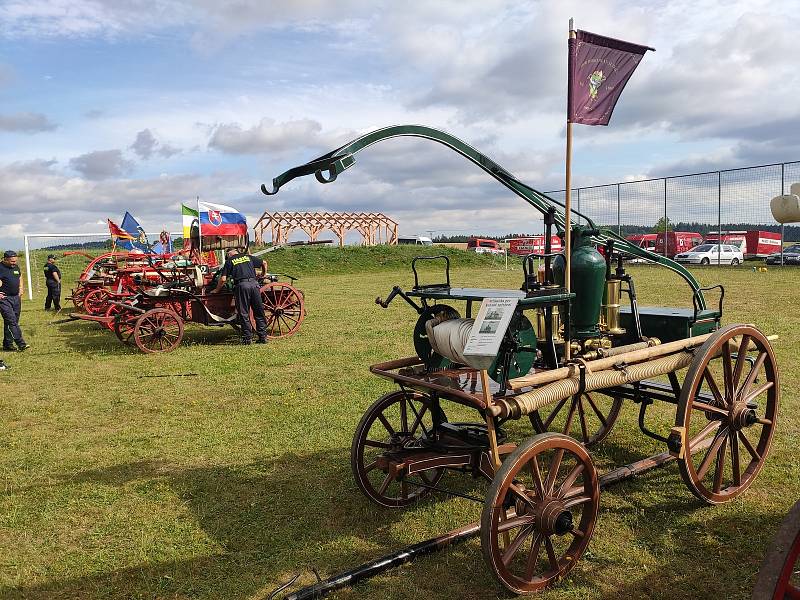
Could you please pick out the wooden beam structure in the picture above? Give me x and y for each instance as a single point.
(375, 228)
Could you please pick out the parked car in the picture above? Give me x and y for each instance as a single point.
(791, 256)
(484, 246)
(711, 254)
(414, 240)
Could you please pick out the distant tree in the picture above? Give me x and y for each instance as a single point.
(659, 227)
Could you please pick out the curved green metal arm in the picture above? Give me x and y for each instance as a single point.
(327, 168)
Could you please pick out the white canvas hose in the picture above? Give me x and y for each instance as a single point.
(449, 337)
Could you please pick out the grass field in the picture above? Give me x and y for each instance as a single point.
(219, 471)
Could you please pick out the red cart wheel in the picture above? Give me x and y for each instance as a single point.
(540, 512)
(284, 308)
(395, 421)
(779, 576)
(725, 441)
(124, 323)
(78, 295)
(586, 417)
(158, 330)
(96, 301)
(112, 311)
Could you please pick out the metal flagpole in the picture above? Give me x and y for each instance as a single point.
(199, 233)
(568, 184)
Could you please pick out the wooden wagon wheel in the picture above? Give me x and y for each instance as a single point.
(394, 423)
(123, 326)
(725, 442)
(78, 294)
(112, 311)
(586, 417)
(284, 308)
(779, 576)
(158, 330)
(539, 512)
(96, 301)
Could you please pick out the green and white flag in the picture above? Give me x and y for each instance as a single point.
(189, 216)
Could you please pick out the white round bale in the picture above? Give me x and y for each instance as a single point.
(786, 208)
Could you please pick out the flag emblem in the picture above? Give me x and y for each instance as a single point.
(595, 81)
(215, 218)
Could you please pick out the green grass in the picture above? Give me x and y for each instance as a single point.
(225, 483)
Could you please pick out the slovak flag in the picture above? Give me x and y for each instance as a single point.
(218, 219)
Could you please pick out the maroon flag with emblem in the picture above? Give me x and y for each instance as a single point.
(599, 68)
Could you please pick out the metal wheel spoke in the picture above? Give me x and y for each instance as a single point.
(752, 374)
(386, 424)
(596, 411)
(553, 414)
(712, 385)
(746, 443)
(537, 476)
(757, 392)
(582, 417)
(552, 470)
(551, 553)
(572, 477)
(515, 544)
(376, 444)
(712, 450)
(741, 358)
(737, 475)
(719, 468)
(533, 557)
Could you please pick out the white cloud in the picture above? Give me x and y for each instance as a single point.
(266, 137)
(26, 122)
(101, 164)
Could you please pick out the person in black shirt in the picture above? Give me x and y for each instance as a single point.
(10, 304)
(241, 268)
(52, 278)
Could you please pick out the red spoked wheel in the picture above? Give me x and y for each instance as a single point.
(124, 323)
(725, 440)
(158, 330)
(540, 512)
(96, 301)
(111, 312)
(779, 576)
(284, 308)
(78, 295)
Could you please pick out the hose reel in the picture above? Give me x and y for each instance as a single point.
(441, 335)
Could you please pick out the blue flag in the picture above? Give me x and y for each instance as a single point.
(132, 226)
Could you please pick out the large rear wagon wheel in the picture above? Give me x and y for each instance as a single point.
(588, 418)
(540, 512)
(725, 441)
(390, 429)
(158, 330)
(284, 308)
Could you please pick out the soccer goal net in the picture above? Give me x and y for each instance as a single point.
(72, 251)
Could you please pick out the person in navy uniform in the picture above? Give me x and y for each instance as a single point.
(241, 267)
(52, 278)
(10, 303)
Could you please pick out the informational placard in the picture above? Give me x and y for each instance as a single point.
(490, 326)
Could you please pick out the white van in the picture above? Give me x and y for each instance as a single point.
(414, 240)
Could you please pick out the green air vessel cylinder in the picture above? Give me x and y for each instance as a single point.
(588, 279)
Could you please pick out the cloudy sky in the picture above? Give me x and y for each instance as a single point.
(115, 105)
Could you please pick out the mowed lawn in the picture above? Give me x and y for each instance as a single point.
(220, 471)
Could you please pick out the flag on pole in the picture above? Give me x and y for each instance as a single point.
(164, 244)
(137, 239)
(189, 215)
(218, 219)
(599, 68)
(117, 233)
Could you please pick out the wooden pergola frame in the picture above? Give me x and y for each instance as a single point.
(375, 228)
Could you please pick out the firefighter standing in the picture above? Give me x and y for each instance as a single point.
(52, 278)
(10, 302)
(241, 268)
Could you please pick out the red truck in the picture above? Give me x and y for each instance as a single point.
(676, 242)
(643, 240)
(754, 244)
(533, 244)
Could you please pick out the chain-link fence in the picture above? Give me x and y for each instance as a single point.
(713, 202)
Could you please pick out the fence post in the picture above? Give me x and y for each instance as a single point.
(782, 192)
(719, 216)
(666, 219)
(619, 222)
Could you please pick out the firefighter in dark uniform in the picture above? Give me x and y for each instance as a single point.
(52, 278)
(10, 303)
(241, 267)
